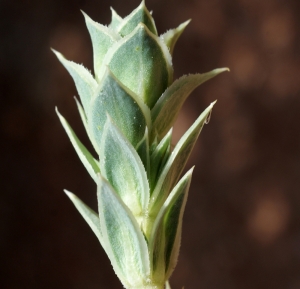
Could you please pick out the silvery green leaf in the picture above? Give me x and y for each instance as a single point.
(125, 244)
(102, 39)
(173, 215)
(84, 121)
(138, 15)
(174, 166)
(142, 62)
(122, 167)
(115, 19)
(157, 157)
(142, 149)
(165, 111)
(81, 113)
(84, 81)
(168, 285)
(165, 237)
(87, 159)
(129, 113)
(89, 215)
(171, 36)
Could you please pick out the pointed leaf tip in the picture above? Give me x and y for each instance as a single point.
(130, 179)
(84, 81)
(69, 194)
(89, 215)
(84, 155)
(146, 72)
(171, 36)
(126, 245)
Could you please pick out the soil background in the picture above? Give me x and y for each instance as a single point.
(242, 223)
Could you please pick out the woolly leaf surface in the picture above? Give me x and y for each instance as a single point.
(102, 39)
(141, 62)
(121, 165)
(138, 15)
(124, 241)
(129, 113)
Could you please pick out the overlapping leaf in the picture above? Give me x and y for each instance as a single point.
(142, 62)
(142, 149)
(157, 158)
(129, 113)
(172, 35)
(87, 159)
(165, 237)
(116, 19)
(102, 39)
(89, 215)
(124, 241)
(85, 83)
(166, 109)
(121, 165)
(137, 16)
(174, 166)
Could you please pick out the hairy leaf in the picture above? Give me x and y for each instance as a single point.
(89, 215)
(142, 62)
(122, 167)
(166, 233)
(157, 157)
(142, 149)
(87, 159)
(171, 36)
(116, 19)
(138, 15)
(129, 113)
(165, 111)
(85, 83)
(102, 39)
(124, 241)
(174, 166)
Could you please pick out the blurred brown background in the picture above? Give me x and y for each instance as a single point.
(242, 222)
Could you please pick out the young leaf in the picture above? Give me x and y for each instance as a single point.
(142, 62)
(129, 113)
(124, 241)
(122, 167)
(174, 166)
(82, 114)
(171, 36)
(115, 19)
(84, 121)
(173, 221)
(142, 149)
(84, 81)
(168, 285)
(165, 111)
(89, 215)
(87, 159)
(138, 15)
(157, 157)
(165, 237)
(102, 39)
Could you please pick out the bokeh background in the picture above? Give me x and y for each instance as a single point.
(242, 221)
